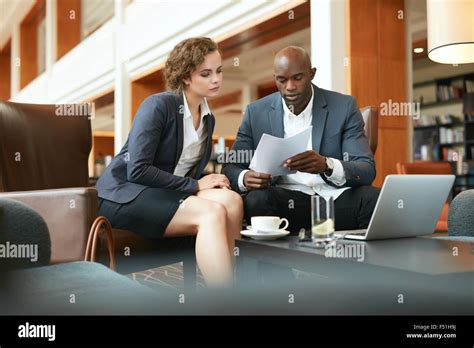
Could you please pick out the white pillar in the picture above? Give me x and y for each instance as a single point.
(51, 39)
(15, 61)
(51, 33)
(122, 94)
(249, 93)
(328, 44)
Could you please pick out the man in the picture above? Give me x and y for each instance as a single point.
(338, 161)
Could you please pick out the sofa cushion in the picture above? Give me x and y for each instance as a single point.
(461, 215)
(24, 237)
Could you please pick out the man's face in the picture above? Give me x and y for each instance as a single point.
(293, 80)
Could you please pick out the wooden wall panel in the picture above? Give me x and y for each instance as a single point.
(391, 79)
(391, 29)
(392, 148)
(5, 71)
(141, 90)
(270, 30)
(103, 145)
(69, 26)
(29, 43)
(377, 74)
(363, 37)
(144, 87)
(363, 80)
(28, 55)
(265, 89)
(423, 44)
(226, 99)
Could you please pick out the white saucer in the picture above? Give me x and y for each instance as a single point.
(264, 235)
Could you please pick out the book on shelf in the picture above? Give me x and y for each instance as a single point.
(450, 135)
(446, 92)
(424, 121)
(469, 86)
(428, 120)
(447, 119)
(427, 152)
(452, 155)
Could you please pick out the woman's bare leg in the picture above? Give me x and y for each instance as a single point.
(207, 220)
(234, 205)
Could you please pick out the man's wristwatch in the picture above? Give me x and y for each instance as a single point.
(329, 166)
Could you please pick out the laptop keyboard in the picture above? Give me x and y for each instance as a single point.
(353, 232)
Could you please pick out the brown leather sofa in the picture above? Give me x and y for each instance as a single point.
(44, 163)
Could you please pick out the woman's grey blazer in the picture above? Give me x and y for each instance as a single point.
(152, 151)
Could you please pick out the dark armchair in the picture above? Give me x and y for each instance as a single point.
(44, 163)
(370, 115)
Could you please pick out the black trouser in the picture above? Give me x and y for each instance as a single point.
(353, 208)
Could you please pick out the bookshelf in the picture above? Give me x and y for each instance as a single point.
(443, 91)
(438, 142)
(5, 71)
(443, 132)
(103, 135)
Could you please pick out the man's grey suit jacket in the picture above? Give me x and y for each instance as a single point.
(338, 132)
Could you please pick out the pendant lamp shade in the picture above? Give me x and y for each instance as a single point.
(450, 31)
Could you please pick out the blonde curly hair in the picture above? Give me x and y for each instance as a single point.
(184, 59)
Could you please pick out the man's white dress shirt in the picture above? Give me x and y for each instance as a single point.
(305, 182)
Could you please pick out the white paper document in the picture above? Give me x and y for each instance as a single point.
(272, 152)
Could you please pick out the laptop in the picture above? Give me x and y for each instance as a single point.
(408, 206)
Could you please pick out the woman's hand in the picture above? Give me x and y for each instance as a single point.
(213, 180)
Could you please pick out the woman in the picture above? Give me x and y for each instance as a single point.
(154, 186)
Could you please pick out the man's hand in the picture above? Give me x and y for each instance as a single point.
(308, 162)
(254, 180)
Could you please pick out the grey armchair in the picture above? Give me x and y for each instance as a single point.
(461, 215)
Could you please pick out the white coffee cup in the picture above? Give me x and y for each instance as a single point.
(268, 223)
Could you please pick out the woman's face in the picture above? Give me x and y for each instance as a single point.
(206, 80)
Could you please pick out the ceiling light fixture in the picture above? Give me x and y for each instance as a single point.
(450, 31)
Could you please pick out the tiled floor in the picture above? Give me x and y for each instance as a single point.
(170, 277)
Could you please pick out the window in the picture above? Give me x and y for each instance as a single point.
(94, 13)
